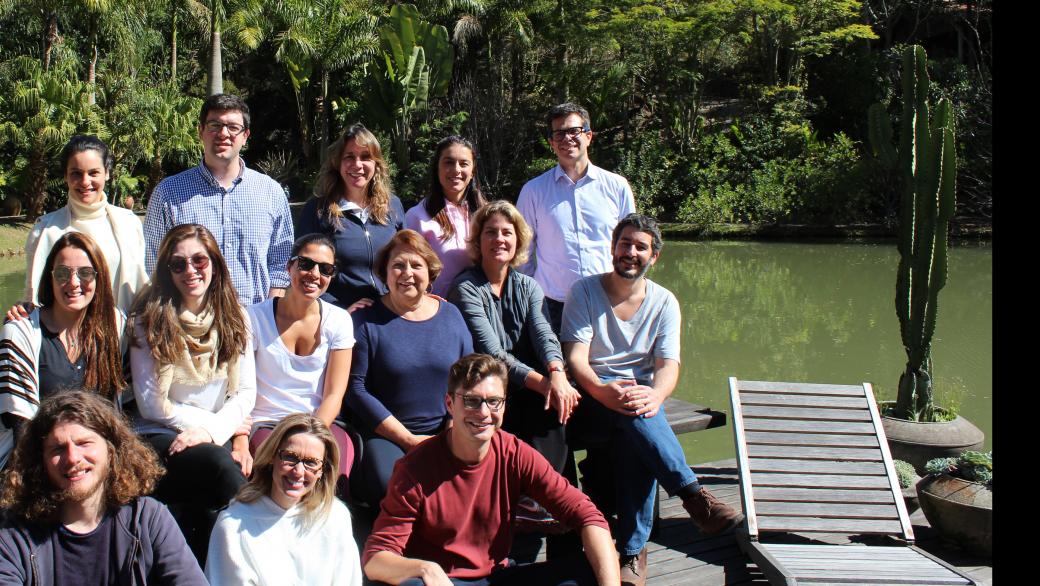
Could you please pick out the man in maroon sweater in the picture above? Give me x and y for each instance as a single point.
(447, 516)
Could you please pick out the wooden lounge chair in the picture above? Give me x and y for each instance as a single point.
(814, 459)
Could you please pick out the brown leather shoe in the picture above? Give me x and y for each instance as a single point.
(709, 514)
(633, 569)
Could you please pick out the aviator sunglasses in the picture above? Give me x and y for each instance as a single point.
(178, 264)
(305, 264)
(63, 274)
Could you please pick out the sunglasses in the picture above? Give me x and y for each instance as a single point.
(62, 274)
(306, 265)
(473, 402)
(179, 264)
(290, 460)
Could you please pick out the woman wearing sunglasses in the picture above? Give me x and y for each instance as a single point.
(286, 526)
(442, 217)
(302, 347)
(71, 341)
(353, 204)
(406, 343)
(194, 379)
(87, 163)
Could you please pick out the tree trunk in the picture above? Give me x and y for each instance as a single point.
(216, 69)
(37, 182)
(155, 175)
(92, 72)
(322, 109)
(49, 38)
(173, 50)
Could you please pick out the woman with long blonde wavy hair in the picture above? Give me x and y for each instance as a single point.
(354, 206)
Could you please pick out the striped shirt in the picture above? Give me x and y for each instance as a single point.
(250, 221)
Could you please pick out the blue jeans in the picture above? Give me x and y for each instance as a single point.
(567, 571)
(646, 452)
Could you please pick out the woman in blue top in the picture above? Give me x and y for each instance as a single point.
(354, 206)
(405, 344)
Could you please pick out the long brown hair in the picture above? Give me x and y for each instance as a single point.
(434, 202)
(98, 335)
(133, 467)
(318, 501)
(158, 304)
(330, 187)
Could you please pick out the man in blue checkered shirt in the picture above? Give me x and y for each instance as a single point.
(247, 211)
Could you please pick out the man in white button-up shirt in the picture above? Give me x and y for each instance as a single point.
(572, 210)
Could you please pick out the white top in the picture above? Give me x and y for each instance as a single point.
(572, 224)
(452, 251)
(622, 348)
(261, 543)
(193, 406)
(286, 382)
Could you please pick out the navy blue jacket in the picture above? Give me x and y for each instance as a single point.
(356, 248)
(150, 549)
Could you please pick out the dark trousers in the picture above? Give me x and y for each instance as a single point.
(527, 418)
(564, 571)
(198, 482)
(377, 464)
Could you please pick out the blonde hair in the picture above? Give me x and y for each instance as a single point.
(511, 214)
(318, 502)
(330, 187)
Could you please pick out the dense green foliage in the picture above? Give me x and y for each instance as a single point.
(971, 466)
(716, 110)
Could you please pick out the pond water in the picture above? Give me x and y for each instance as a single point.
(801, 312)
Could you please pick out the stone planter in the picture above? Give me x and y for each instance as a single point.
(961, 511)
(917, 442)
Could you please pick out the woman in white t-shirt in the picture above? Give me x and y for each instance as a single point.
(302, 346)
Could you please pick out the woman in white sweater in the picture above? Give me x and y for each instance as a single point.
(194, 379)
(87, 164)
(286, 526)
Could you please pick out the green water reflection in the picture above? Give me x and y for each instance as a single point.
(800, 312)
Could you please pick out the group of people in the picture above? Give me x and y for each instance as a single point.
(373, 360)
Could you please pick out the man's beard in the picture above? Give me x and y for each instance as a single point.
(83, 493)
(639, 271)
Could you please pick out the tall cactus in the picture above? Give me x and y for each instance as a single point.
(927, 161)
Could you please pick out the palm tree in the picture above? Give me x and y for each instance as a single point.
(216, 66)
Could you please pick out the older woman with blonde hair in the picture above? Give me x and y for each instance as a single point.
(405, 345)
(503, 309)
(353, 204)
(286, 525)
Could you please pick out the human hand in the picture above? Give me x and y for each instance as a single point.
(244, 428)
(363, 302)
(560, 395)
(644, 401)
(16, 312)
(432, 574)
(240, 453)
(192, 436)
(612, 395)
(414, 440)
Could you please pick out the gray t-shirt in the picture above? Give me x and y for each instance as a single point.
(622, 349)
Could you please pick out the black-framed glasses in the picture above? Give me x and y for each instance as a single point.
(233, 129)
(179, 264)
(291, 459)
(571, 132)
(62, 274)
(305, 264)
(473, 402)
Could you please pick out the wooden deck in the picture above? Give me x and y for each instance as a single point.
(681, 556)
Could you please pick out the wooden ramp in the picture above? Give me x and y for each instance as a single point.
(813, 458)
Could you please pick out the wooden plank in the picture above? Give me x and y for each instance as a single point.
(805, 413)
(747, 495)
(748, 399)
(810, 439)
(821, 495)
(761, 479)
(816, 466)
(815, 453)
(893, 480)
(827, 510)
(685, 417)
(865, 576)
(812, 524)
(809, 427)
(800, 388)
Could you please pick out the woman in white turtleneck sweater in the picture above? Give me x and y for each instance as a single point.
(87, 163)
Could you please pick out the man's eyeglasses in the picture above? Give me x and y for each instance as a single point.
(571, 132)
(178, 264)
(290, 460)
(215, 127)
(305, 264)
(62, 274)
(474, 402)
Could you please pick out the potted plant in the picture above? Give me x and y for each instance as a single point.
(957, 500)
(908, 479)
(918, 429)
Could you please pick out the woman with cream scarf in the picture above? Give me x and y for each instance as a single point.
(87, 164)
(194, 379)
